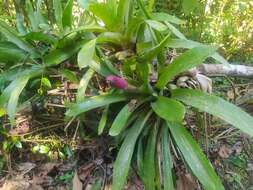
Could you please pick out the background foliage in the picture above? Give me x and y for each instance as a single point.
(228, 23)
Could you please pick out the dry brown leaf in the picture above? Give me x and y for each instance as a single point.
(237, 148)
(77, 184)
(204, 82)
(25, 167)
(15, 185)
(224, 151)
(186, 182)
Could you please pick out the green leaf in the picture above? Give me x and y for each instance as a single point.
(189, 5)
(175, 31)
(18, 144)
(57, 56)
(70, 75)
(188, 44)
(83, 3)
(124, 13)
(83, 85)
(150, 54)
(156, 25)
(149, 170)
(13, 92)
(217, 107)
(34, 23)
(168, 109)
(139, 157)
(67, 15)
(86, 54)
(95, 102)
(9, 52)
(13, 37)
(57, 6)
(189, 59)
(103, 120)
(43, 149)
(194, 157)
(41, 37)
(46, 82)
(166, 160)
(107, 12)
(120, 121)
(100, 68)
(20, 23)
(166, 17)
(111, 37)
(123, 160)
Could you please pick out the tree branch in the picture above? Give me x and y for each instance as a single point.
(228, 70)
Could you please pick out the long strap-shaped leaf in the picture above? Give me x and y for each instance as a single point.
(83, 85)
(57, 6)
(184, 62)
(149, 169)
(103, 120)
(11, 95)
(57, 56)
(94, 102)
(9, 52)
(168, 109)
(121, 120)
(188, 44)
(217, 107)
(166, 160)
(123, 161)
(149, 55)
(12, 36)
(85, 55)
(195, 158)
(67, 14)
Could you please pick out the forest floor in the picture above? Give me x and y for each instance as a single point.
(53, 155)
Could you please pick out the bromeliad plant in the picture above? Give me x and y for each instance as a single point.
(127, 45)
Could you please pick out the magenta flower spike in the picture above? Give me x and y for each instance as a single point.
(117, 82)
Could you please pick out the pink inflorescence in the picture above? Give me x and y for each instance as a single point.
(117, 82)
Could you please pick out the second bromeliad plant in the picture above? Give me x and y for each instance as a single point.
(153, 111)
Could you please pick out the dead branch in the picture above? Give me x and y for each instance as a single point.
(226, 70)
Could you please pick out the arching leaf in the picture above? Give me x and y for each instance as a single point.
(184, 62)
(94, 102)
(123, 160)
(217, 107)
(194, 157)
(168, 109)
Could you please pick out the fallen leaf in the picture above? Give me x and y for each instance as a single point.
(77, 184)
(25, 167)
(224, 151)
(204, 82)
(237, 148)
(186, 182)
